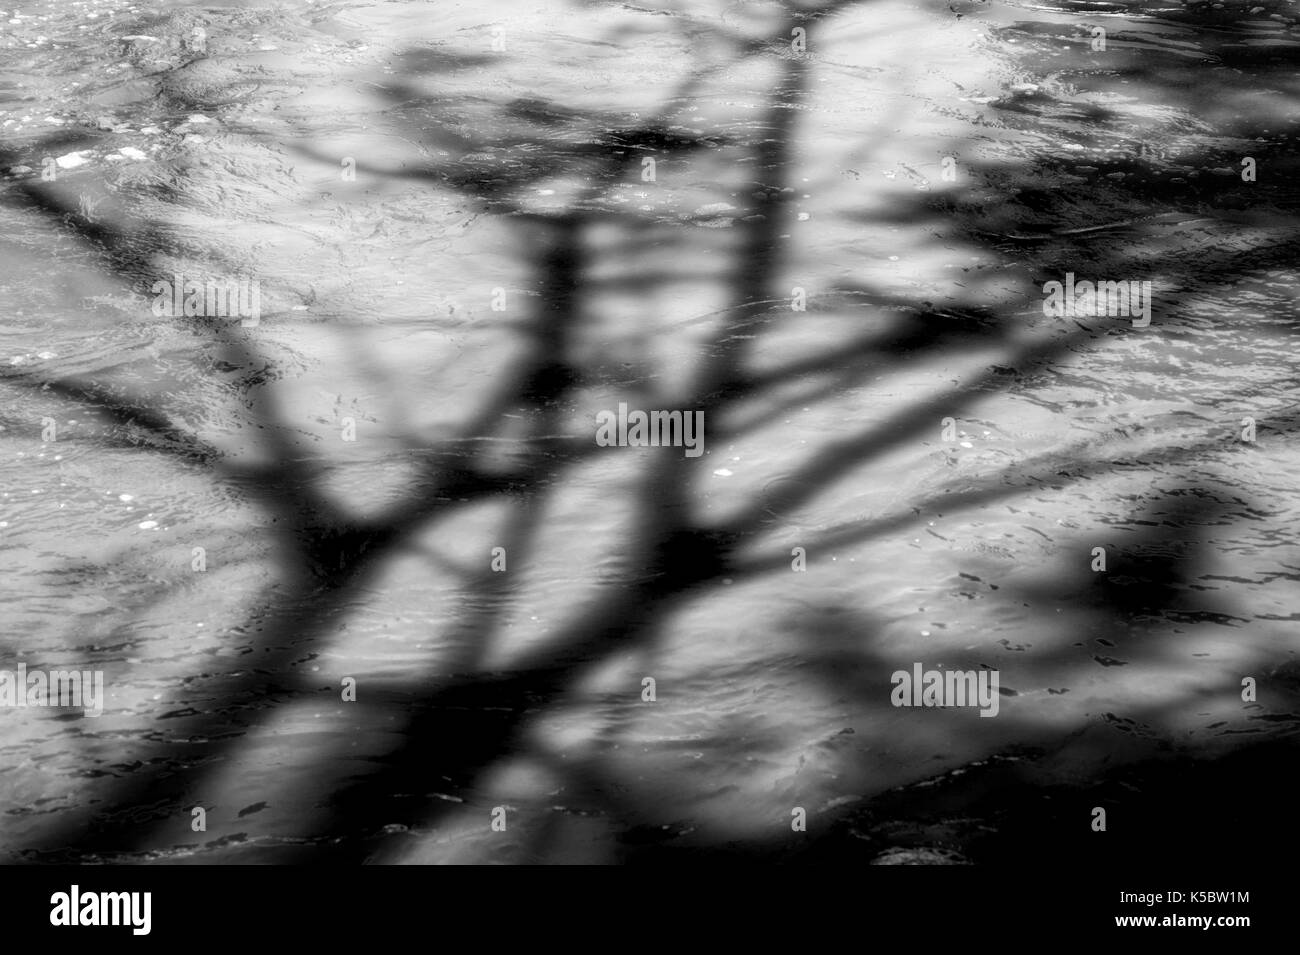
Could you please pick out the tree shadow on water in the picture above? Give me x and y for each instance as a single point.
(456, 729)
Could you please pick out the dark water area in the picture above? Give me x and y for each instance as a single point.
(829, 228)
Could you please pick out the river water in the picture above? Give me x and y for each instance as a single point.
(840, 242)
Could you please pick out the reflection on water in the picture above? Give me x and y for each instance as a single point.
(828, 230)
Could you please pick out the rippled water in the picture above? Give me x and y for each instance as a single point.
(499, 156)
